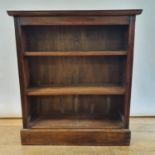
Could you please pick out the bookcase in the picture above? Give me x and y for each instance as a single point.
(75, 71)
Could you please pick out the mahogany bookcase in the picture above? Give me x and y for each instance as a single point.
(75, 71)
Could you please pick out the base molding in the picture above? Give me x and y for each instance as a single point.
(115, 137)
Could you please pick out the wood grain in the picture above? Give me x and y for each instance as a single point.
(78, 20)
(75, 53)
(75, 13)
(75, 70)
(75, 91)
(76, 106)
(129, 66)
(82, 121)
(76, 136)
(22, 68)
(75, 38)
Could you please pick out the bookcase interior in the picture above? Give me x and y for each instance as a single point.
(76, 71)
(75, 38)
(76, 111)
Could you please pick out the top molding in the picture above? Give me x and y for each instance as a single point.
(75, 13)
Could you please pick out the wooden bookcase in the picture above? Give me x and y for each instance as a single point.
(75, 71)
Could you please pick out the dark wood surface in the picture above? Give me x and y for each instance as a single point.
(22, 72)
(75, 53)
(75, 136)
(78, 20)
(75, 71)
(75, 13)
(80, 121)
(128, 76)
(85, 90)
(72, 71)
(76, 38)
(105, 107)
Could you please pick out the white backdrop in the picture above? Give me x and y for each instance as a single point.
(143, 88)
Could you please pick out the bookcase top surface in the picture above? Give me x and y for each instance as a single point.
(74, 12)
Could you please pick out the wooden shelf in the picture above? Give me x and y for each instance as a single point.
(77, 122)
(75, 53)
(75, 91)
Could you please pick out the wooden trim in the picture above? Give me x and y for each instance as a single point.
(129, 66)
(78, 20)
(75, 136)
(75, 12)
(22, 72)
(75, 53)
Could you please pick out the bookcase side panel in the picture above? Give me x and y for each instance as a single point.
(128, 76)
(22, 71)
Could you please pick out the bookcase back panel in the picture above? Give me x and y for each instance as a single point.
(82, 105)
(70, 71)
(75, 38)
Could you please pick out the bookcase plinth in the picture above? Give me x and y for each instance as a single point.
(100, 137)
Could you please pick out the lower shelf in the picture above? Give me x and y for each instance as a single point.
(117, 137)
(77, 122)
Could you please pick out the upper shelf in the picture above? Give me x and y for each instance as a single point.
(75, 53)
(75, 13)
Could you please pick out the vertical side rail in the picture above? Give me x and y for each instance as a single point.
(128, 76)
(22, 71)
